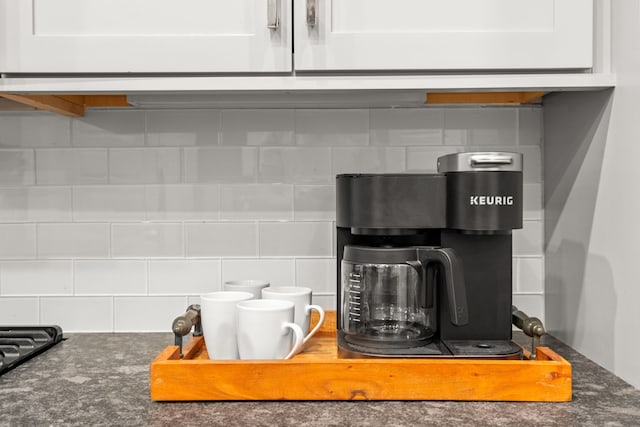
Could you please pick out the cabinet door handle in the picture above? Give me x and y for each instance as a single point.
(273, 14)
(312, 13)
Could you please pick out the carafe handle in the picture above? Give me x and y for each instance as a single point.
(453, 280)
(427, 278)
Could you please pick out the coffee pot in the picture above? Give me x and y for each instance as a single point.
(424, 260)
(389, 294)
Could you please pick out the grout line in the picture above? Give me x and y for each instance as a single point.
(147, 281)
(294, 267)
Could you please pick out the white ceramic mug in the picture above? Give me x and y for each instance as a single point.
(301, 298)
(218, 313)
(265, 328)
(253, 286)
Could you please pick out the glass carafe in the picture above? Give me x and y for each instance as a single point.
(387, 298)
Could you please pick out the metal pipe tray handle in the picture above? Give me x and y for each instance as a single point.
(182, 325)
(531, 326)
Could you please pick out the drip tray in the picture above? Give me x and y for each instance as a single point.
(21, 343)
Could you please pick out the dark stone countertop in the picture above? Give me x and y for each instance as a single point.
(103, 379)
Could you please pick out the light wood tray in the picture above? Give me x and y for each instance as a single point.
(319, 374)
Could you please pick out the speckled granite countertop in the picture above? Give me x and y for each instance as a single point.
(103, 379)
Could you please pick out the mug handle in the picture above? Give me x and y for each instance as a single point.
(298, 337)
(320, 311)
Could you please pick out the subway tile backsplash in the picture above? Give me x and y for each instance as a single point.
(118, 220)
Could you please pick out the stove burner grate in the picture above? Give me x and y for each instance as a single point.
(20, 343)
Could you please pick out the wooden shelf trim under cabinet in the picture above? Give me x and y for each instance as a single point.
(509, 98)
(67, 105)
(318, 373)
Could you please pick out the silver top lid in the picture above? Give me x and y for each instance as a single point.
(479, 161)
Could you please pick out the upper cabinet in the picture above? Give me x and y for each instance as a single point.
(145, 36)
(257, 36)
(443, 35)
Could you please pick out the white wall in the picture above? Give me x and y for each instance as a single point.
(117, 221)
(592, 210)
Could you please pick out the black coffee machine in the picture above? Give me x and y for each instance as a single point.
(424, 260)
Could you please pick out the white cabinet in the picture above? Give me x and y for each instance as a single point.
(443, 34)
(145, 36)
(256, 36)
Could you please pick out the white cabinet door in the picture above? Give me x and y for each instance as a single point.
(144, 36)
(443, 34)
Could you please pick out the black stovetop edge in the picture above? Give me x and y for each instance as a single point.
(41, 338)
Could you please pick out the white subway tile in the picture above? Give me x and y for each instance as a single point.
(108, 129)
(183, 127)
(528, 240)
(221, 239)
(256, 201)
(220, 164)
(317, 274)
(78, 314)
(531, 275)
(530, 126)
(309, 165)
(19, 311)
(144, 166)
(17, 167)
(110, 277)
(258, 127)
(328, 302)
(532, 164)
(147, 314)
(278, 272)
(183, 202)
(71, 166)
(532, 305)
(21, 278)
(332, 127)
(35, 204)
(109, 203)
(18, 241)
(532, 201)
(73, 240)
(34, 129)
(314, 202)
(368, 160)
(480, 126)
(420, 126)
(193, 299)
(425, 159)
(183, 277)
(147, 240)
(295, 239)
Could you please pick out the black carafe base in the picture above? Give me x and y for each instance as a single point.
(472, 349)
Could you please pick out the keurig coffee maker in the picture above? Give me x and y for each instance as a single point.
(424, 260)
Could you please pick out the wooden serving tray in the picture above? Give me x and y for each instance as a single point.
(319, 374)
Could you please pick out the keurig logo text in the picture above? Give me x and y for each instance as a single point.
(491, 200)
